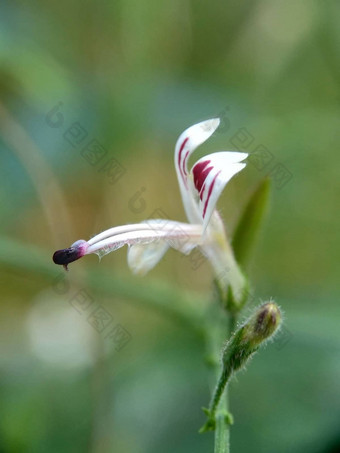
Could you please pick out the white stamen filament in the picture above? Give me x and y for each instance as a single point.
(116, 237)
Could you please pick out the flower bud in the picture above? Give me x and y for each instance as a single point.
(245, 341)
(262, 325)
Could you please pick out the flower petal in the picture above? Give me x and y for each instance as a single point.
(142, 258)
(209, 177)
(186, 144)
(147, 241)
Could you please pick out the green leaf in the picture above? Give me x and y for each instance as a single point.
(250, 223)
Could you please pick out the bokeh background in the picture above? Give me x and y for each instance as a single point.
(93, 97)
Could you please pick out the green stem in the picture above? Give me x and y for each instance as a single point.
(221, 385)
(222, 432)
(219, 405)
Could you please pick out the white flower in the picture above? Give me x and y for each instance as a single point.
(200, 189)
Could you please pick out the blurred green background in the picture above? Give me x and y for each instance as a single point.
(132, 75)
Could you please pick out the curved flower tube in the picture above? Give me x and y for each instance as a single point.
(200, 189)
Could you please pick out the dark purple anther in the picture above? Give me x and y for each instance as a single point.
(73, 253)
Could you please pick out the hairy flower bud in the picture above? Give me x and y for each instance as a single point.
(263, 323)
(244, 342)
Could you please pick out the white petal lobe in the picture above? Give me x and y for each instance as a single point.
(209, 177)
(186, 144)
(142, 258)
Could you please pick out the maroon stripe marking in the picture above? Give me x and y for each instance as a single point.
(209, 193)
(184, 162)
(180, 159)
(200, 173)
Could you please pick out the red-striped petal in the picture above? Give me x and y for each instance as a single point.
(210, 175)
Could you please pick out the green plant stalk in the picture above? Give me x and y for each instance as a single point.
(222, 430)
(217, 329)
(223, 417)
(243, 343)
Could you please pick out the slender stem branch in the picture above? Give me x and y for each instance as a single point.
(221, 385)
(222, 432)
(219, 405)
(42, 177)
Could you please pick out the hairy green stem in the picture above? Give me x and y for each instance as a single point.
(221, 385)
(222, 432)
(220, 404)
